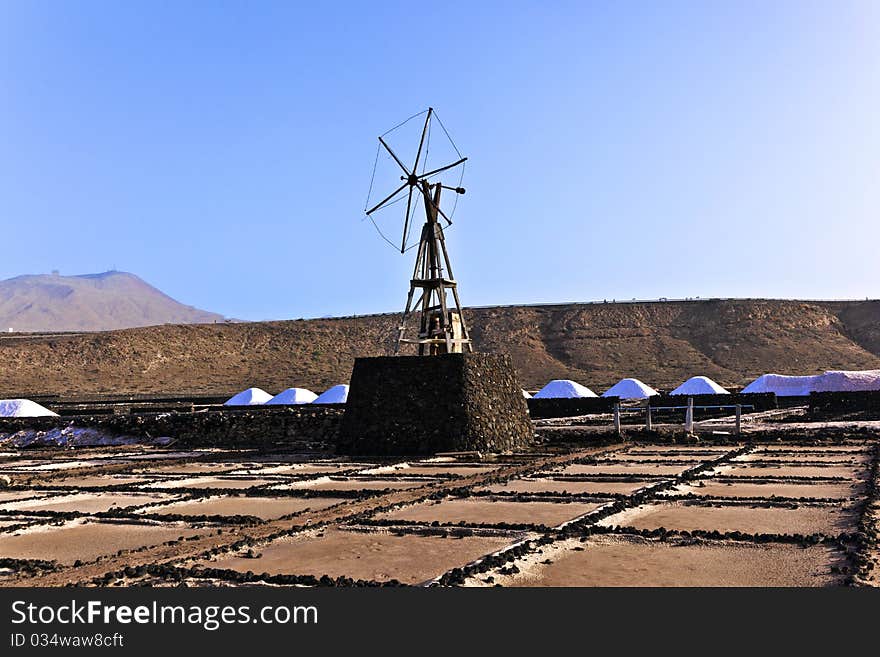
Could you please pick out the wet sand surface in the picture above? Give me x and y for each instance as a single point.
(634, 469)
(561, 486)
(769, 489)
(328, 483)
(709, 451)
(663, 457)
(86, 541)
(266, 508)
(834, 458)
(673, 515)
(283, 504)
(430, 470)
(806, 449)
(615, 561)
(191, 468)
(211, 483)
(299, 468)
(483, 511)
(378, 556)
(848, 472)
(12, 495)
(85, 503)
(95, 481)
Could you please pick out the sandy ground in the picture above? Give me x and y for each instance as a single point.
(486, 511)
(266, 508)
(682, 457)
(428, 470)
(86, 540)
(400, 552)
(829, 520)
(299, 468)
(806, 449)
(848, 472)
(620, 561)
(85, 502)
(836, 458)
(371, 556)
(674, 450)
(192, 468)
(780, 489)
(328, 483)
(43, 466)
(210, 483)
(623, 468)
(12, 495)
(92, 481)
(561, 486)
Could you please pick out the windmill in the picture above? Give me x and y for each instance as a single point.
(442, 328)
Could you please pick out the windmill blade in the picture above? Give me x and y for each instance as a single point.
(396, 159)
(448, 166)
(386, 199)
(422, 141)
(406, 221)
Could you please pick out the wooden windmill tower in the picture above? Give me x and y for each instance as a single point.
(442, 328)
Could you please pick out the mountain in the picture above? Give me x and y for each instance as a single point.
(92, 302)
(661, 343)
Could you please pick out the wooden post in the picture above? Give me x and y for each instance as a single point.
(617, 419)
(689, 416)
(648, 424)
(739, 410)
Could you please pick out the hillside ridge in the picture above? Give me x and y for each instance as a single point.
(662, 343)
(90, 302)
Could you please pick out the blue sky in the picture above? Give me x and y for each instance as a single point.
(223, 150)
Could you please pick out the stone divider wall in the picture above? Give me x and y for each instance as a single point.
(827, 405)
(551, 407)
(295, 427)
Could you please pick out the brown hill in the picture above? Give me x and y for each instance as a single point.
(661, 343)
(92, 302)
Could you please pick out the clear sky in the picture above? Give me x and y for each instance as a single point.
(223, 150)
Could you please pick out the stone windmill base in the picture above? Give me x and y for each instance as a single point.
(401, 405)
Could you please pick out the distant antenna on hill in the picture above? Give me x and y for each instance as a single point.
(441, 329)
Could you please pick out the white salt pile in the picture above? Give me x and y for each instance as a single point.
(782, 385)
(847, 381)
(564, 388)
(23, 408)
(335, 395)
(294, 396)
(630, 389)
(699, 385)
(830, 381)
(526, 394)
(249, 397)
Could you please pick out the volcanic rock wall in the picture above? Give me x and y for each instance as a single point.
(569, 407)
(283, 427)
(865, 405)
